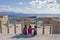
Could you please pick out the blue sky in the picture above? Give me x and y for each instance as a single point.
(13, 3)
(30, 6)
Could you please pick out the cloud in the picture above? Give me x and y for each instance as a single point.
(20, 3)
(51, 0)
(51, 6)
(45, 3)
(39, 11)
(37, 3)
(58, 2)
(9, 9)
(34, 6)
(28, 10)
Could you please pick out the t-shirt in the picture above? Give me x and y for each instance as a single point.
(30, 30)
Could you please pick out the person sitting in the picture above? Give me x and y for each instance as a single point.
(25, 30)
(35, 30)
(30, 30)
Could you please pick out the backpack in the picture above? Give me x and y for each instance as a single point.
(24, 31)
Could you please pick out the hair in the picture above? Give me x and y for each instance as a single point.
(25, 26)
(35, 26)
(29, 26)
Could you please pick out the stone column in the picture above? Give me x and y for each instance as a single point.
(43, 28)
(15, 26)
(7, 26)
(36, 22)
(22, 25)
(29, 23)
(0, 26)
(51, 26)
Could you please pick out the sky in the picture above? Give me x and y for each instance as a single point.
(30, 6)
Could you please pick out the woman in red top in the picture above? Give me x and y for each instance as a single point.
(30, 30)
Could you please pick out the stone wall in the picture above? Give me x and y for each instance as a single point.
(56, 27)
(4, 19)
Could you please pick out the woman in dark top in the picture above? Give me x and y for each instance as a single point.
(25, 30)
(35, 30)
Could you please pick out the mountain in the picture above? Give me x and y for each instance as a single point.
(16, 15)
(12, 14)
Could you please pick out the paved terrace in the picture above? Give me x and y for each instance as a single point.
(37, 37)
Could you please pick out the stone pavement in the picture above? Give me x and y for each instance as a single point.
(37, 37)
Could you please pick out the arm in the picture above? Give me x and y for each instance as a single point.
(33, 28)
